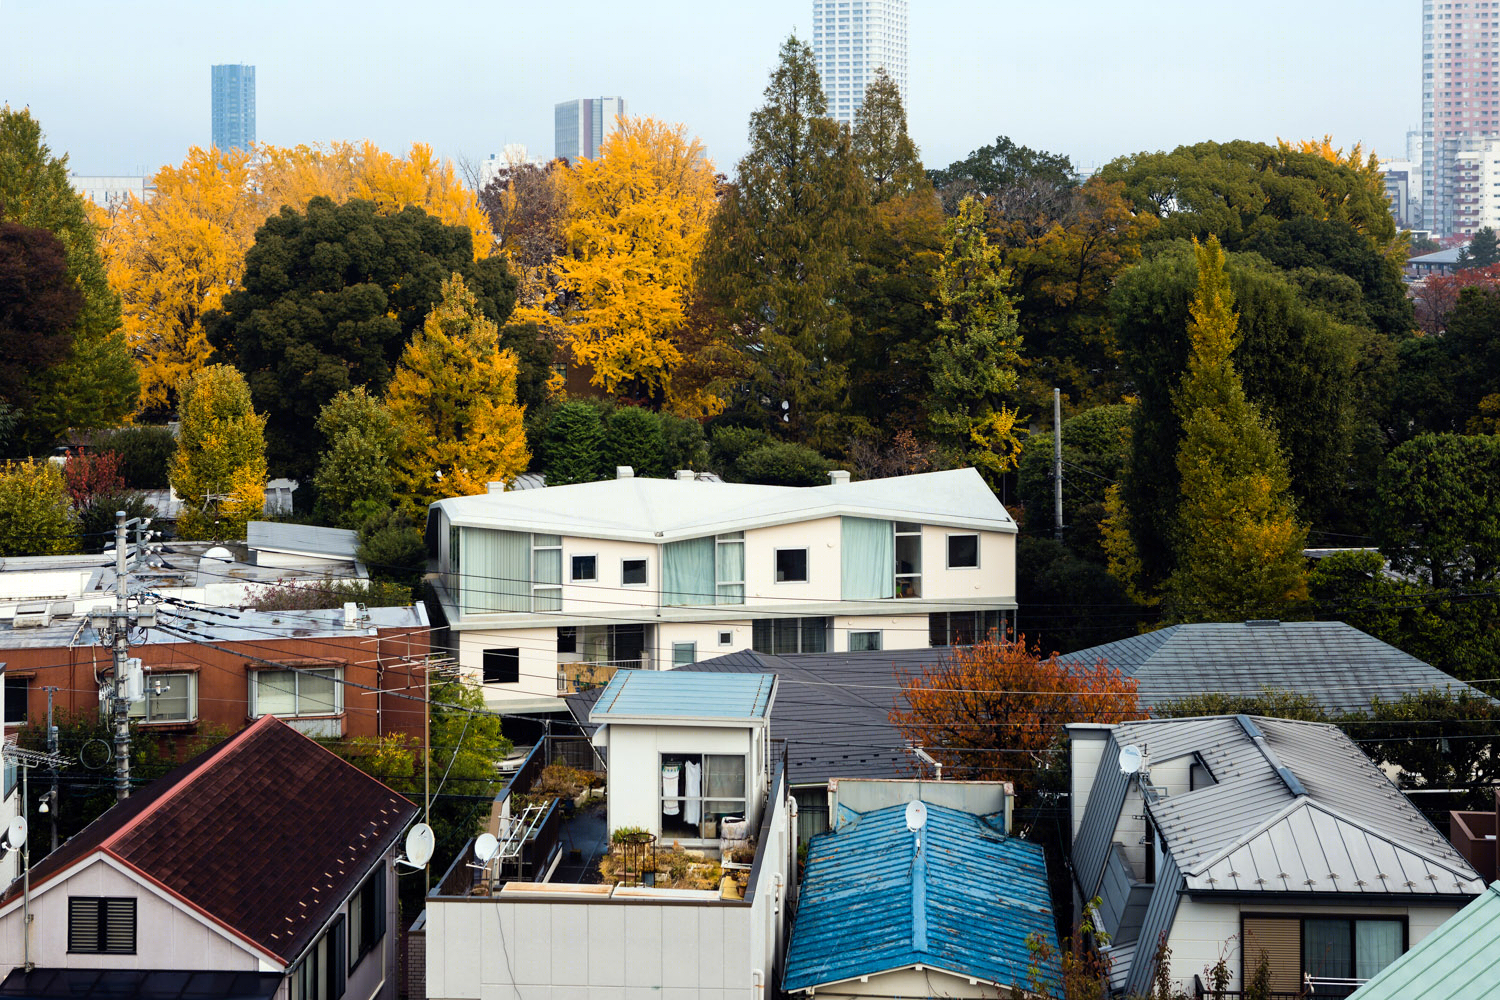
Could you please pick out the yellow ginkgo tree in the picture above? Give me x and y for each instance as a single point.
(453, 399)
(635, 222)
(219, 468)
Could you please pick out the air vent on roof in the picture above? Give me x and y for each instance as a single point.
(33, 616)
(1262, 622)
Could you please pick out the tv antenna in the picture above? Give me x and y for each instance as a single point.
(419, 845)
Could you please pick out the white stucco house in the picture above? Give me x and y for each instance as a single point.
(1239, 836)
(548, 590)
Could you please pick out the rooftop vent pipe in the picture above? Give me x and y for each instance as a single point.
(686, 475)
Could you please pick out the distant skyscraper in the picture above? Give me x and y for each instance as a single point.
(234, 106)
(582, 125)
(852, 39)
(1460, 107)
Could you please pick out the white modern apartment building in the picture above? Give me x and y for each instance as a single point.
(853, 38)
(544, 591)
(580, 127)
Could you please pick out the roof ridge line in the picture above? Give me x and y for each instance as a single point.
(1397, 844)
(1245, 838)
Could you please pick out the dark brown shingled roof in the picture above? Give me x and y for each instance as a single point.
(267, 833)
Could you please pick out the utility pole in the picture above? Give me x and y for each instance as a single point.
(122, 650)
(1057, 520)
(52, 752)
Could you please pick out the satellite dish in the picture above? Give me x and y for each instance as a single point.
(485, 846)
(419, 842)
(15, 833)
(1130, 760)
(916, 815)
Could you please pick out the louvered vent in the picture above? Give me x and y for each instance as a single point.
(101, 925)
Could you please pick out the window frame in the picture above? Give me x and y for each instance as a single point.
(143, 718)
(726, 637)
(760, 628)
(879, 635)
(370, 927)
(513, 652)
(806, 564)
(948, 549)
(692, 652)
(645, 571)
(542, 593)
(1302, 917)
(900, 530)
(720, 543)
(101, 928)
(702, 798)
(573, 576)
(257, 677)
(22, 685)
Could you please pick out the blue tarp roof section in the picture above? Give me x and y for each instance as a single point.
(682, 695)
(867, 902)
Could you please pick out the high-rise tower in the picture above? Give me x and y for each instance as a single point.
(853, 38)
(233, 106)
(580, 126)
(1460, 106)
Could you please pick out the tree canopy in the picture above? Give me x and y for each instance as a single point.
(219, 469)
(330, 298)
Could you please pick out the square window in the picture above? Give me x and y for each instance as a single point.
(502, 666)
(726, 638)
(864, 642)
(684, 653)
(585, 569)
(633, 572)
(963, 551)
(791, 565)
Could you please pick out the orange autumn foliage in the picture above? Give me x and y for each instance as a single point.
(995, 710)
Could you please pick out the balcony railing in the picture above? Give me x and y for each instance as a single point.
(1313, 988)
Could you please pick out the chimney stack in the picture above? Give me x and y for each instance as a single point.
(624, 472)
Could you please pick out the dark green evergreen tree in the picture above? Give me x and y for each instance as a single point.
(573, 444)
(633, 436)
(1482, 251)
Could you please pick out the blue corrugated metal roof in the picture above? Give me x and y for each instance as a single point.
(871, 904)
(677, 694)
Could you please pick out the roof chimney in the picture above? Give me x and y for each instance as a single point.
(624, 472)
(838, 477)
(495, 487)
(686, 475)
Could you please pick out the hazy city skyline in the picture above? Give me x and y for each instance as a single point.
(1094, 80)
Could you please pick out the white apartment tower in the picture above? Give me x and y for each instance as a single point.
(853, 38)
(1460, 105)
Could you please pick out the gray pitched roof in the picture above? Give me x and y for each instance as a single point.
(833, 709)
(1334, 663)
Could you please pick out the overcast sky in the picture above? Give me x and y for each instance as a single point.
(123, 87)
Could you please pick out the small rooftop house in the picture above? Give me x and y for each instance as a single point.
(689, 765)
(549, 590)
(919, 891)
(1256, 835)
(260, 869)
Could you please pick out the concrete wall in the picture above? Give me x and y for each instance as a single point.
(1203, 931)
(168, 935)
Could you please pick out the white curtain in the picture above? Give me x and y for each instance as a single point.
(868, 554)
(731, 572)
(1377, 943)
(692, 788)
(496, 570)
(275, 692)
(687, 572)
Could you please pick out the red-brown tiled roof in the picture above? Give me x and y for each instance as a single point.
(267, 833)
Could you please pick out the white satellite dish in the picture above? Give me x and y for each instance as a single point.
(916, 815)
(419, 843)
(485, 846)
(15, 833)
(1130, 759)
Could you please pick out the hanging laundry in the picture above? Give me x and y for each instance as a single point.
(692, 788)
(671, 776)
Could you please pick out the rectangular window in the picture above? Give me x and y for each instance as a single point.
(16, 694)
(687, 572)
(908, 559)
(729, 568)
(101, 925)
(502, 666)
(964, 628)
(1331, 954)
(698, 791)
(321, 973)
(684, 653)
(367, 917)
(170, 697)
(585, 569)
(291, 693)
(864, 642)
(546, 572)
(791, 565)
(867, 559)
(790, 635)
(963, 551)
(633, 572)
(567, 638)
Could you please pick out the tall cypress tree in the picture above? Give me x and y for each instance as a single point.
(1239, 543)
(886, 153)
(777, 263)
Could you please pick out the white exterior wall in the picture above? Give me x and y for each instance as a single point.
(896, 631)
(1203, 931)
(538, 651)
(539, 949)
(1086, 750)
(705, 634)
(634, 797)
(820, 538)
(607, 596)
(168, 934)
